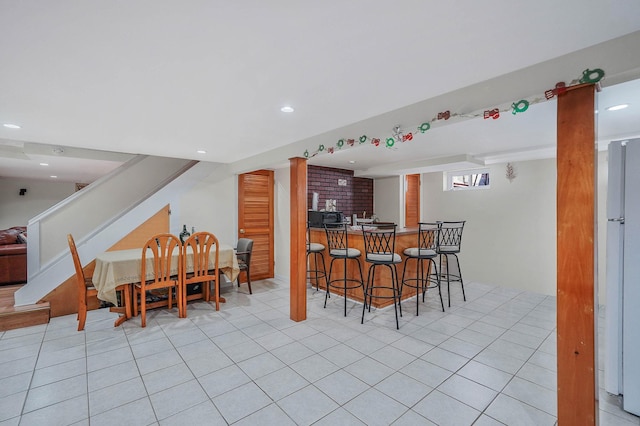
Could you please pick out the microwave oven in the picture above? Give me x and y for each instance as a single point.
(318, 219)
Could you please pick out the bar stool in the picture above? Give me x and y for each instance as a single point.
(338, 241)
(428, 235)
(449, 245)
(315, 249)
(379, 246)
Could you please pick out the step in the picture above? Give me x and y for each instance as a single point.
(12, 317)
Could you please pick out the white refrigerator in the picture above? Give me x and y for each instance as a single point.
(622, 315)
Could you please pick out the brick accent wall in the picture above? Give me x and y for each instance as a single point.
(355, 197)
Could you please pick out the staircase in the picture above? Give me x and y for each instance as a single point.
(100, 215)
(20, 316)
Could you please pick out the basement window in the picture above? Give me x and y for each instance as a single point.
(466, 179)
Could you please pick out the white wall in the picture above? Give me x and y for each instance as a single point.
(16, 210)
(509, 238)
(282, 222)
(510, 234)
(387, 199)
(211, 205)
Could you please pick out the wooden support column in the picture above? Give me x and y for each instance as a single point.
(576, 257)
(298, 238)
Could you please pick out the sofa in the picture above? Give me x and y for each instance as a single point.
(13, 255)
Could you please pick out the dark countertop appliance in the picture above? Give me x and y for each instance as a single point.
(318, 219)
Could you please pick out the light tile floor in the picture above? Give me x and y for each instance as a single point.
(488, 361)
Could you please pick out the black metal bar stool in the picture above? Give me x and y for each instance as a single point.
(449, 245)
(379, 246)
(338, 241)
(315, 249)
(425, 252)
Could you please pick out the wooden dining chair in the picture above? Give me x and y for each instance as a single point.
(86, 289)
(84, 285)
(162, 272)
(200, 254)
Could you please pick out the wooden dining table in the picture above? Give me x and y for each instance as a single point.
(117, 270)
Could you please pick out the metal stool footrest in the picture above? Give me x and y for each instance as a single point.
(422, 282)
(316, 273)
(426, 276)
(369, 291)
(357, 283)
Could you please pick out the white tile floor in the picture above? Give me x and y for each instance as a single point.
(488, 361)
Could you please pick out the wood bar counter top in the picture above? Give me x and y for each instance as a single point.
(405, 238)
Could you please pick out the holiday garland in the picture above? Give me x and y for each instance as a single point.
(521, 106)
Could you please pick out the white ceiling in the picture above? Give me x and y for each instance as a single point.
(168, 78)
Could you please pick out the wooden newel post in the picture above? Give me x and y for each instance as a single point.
(298, 244)
(576, 257)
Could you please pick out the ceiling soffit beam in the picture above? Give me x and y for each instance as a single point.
(612, 56)
(454, 162)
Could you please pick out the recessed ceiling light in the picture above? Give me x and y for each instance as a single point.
(44, 164)
(11, 126)
(53, 176)
(201, 151)
(286, 108)
(617, 107)
(352, 161)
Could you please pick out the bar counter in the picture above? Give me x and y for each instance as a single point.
(405, 238)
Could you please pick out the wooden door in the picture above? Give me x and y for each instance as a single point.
(255, 219)
(411, 200)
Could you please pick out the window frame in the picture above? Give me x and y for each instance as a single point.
(449, 176)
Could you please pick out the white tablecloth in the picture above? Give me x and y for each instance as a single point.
(114, 268)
